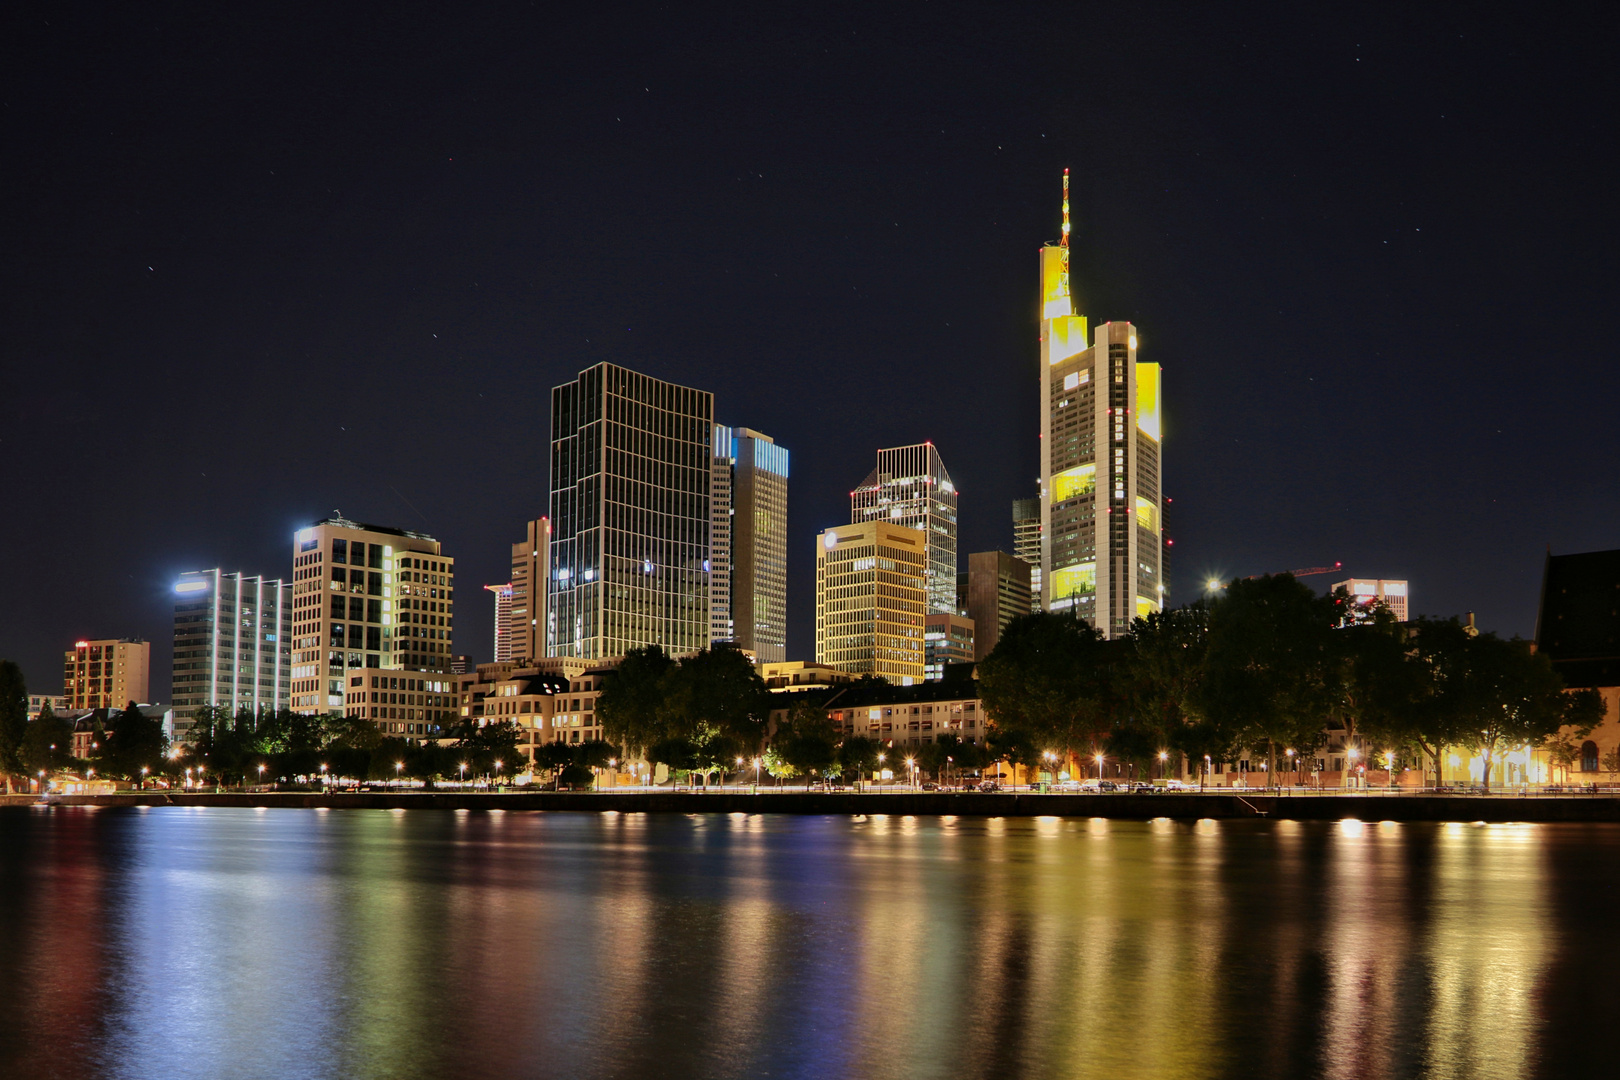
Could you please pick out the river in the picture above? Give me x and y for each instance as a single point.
(187, 942)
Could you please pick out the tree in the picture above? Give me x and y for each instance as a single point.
(631, 706)
(554, 757)
(1511, 696)
(1133, 745)
(718, 689)
(13, 719)
(858, 755)
(1611, 764)
(47, 744)
(1203, 742)
(1051, 681)
(1165, 663)
(805, 742)
(1271, 673)
(135, 742)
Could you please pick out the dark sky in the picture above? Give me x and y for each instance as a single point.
(258, 266)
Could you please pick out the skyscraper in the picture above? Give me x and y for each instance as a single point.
(530, 559)
(106, 673)
(998, 593)
(871, 600)
(232, 644)
(1027, 542)
(366, 597)
(748, 556)
(630, 495)
(1100, 460)
(911, 488)
(503, 621)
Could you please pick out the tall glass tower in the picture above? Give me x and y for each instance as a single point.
(1101, 508)
(911, 488)
(748, 558)
(630, 491)
(232, 644)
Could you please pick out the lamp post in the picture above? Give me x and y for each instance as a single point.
(462, 768)
(1295, 781)
(756, 775)
(261, 774)
(739, 764)
(1164, 765)
(1351, 754)
(881, 757)
(1099, 773)
(1389, 770)
(144, 771)
(1207, 766)
(324, 778)
(911, 770)
(398, 765)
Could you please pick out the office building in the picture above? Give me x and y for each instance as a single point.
(503, 620)
(461, 663)
(403, 704)
(530, 557)
(1367, 590)
(1027, 542)
(1100, 460)
(998, 593)
(871, 598)
(630, 490)
(37, 703)
(748, 554)
(911, 488)
(367, 597)
(947, 639)
(107, 672)
(232, 645)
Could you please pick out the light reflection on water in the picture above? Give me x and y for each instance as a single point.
(186, 942)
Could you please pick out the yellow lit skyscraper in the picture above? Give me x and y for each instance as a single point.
(1100, 460)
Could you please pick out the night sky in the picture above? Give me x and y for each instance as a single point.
(261, 266)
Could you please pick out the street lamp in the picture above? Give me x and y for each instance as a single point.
(324, 777)
(911, 767)
(463, 768)
(1290, 753)
(756, 773)
(497, 775)
(398, 765)
(261, 774)
(739, 764)
(1352, 754)
(143, 777)
(1164, 767)
(1099, 773)
(1207, 766)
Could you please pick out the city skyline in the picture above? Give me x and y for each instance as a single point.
(451, 260)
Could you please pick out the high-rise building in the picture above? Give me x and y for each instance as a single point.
(947, 639)
(1027, 542)
(748, 554)
(1365, 590)
(998, 593)
(530, 558)
(1100, 460)
(232, 644)
(367, 597)
(871, 599)
(630, 491)
(503, 621)
(911, 488)
(107, 672)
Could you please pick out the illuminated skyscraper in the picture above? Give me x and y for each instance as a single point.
(911, 488)
(630, 472)
(1100, 460)
(748, 555)
(232, 644)
(871, 601)
(367, 598)
(503, 621)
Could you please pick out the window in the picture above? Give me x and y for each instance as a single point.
(340, 551)
(1589, 756)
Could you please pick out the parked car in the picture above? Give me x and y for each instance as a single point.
(989, 786)
(1179, 785)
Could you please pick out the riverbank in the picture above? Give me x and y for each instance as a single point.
(1180, 805)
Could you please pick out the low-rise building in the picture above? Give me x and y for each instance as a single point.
(909, 715)
(793, 675)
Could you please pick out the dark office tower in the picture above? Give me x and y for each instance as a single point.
(1027, 542)
(748, 544)
(998, 593)
(630, 480)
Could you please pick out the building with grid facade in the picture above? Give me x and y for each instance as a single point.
(106, 673)
(1100, 461)
(1027, 542)
(503, 620)
(871, 600)
(748, 554)
(232, 645)
(911, 488)
(367, 598)
(631, 469)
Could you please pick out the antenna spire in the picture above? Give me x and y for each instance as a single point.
(1063, 244)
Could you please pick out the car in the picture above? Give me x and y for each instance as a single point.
(929, 785)
(988, 786)
(1179, 785)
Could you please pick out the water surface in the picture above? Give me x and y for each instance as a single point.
(181, 942)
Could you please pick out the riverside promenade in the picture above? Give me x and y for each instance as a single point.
(1175, 805)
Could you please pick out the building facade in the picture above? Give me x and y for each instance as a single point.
(503, 620)
(1366, 590)
(1027, 542)
(367, 597)
(911, 488)
(106, 673)
(530, 558)
(871, 600)
(748, 554)
(630, 518)
(947, 639)
(1101, 461)
(998, 592)
(232, 645)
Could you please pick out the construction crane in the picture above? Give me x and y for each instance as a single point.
(1214, 584)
